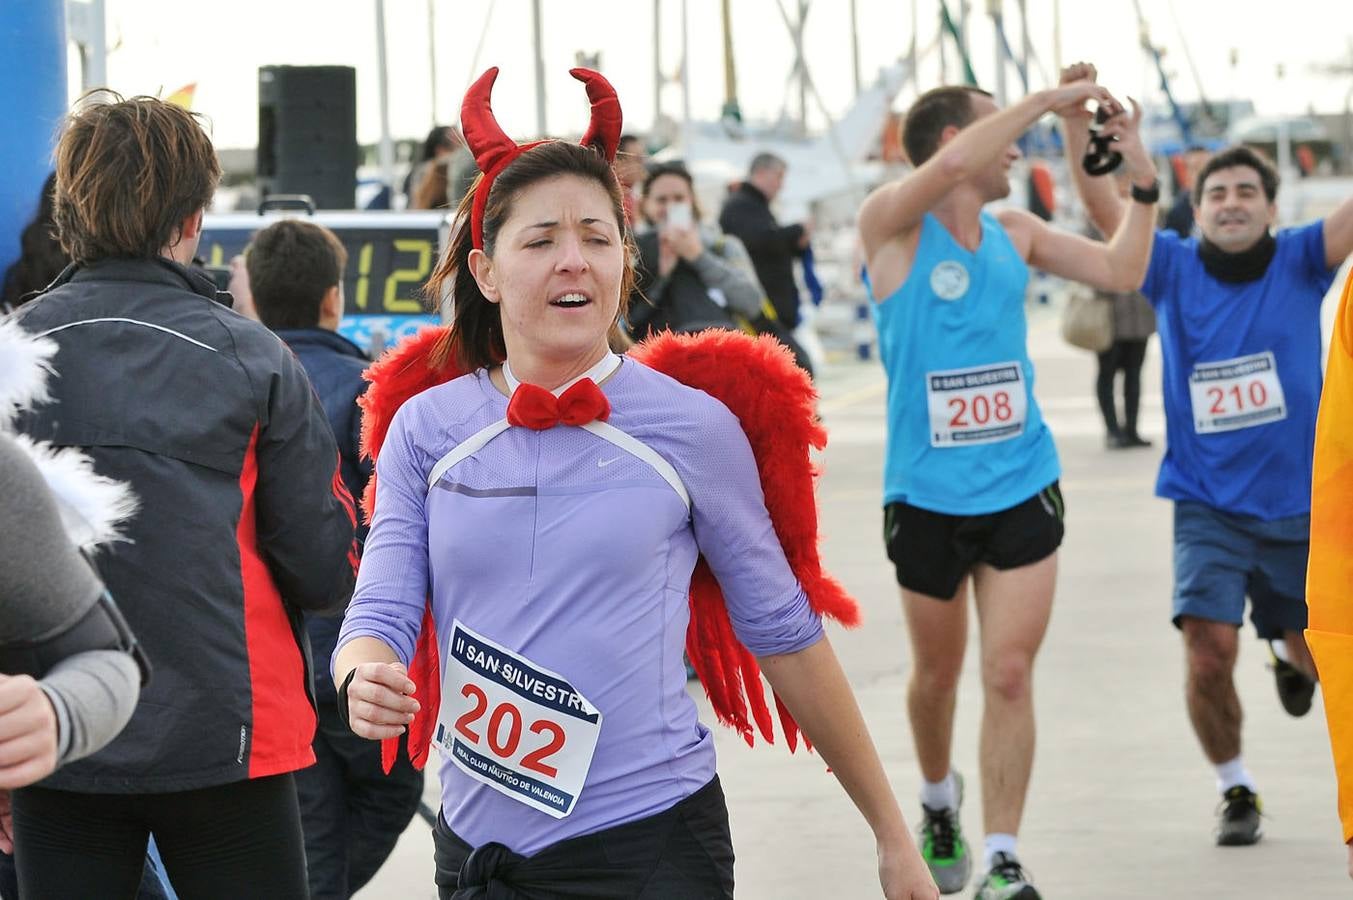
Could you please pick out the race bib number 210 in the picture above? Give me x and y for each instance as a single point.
(1236, 393)
(515, 726)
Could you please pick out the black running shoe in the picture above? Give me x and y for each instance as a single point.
(1239, 823)
(1295, 690)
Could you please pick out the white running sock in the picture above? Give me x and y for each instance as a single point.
(1233, 773)
(1280, 649)
(998, 843)
(940, 794)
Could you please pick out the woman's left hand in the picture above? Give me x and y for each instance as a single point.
(903, 872)
(27, 732)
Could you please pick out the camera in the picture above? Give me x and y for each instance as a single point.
(1100, 157)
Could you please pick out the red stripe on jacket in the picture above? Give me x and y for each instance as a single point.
(345, 497)
(283, 719)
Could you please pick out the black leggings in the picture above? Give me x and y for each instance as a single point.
(236, 840)
(1125, 356)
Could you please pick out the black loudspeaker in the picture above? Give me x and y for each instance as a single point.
(307, 133)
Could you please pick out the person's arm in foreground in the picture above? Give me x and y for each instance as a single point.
(382, 622)
(1329, 573)
(813, 687)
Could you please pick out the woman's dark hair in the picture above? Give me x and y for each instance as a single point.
(128, 173)
(680, 171)
(439, 138)
(40, 256)
(475, 338)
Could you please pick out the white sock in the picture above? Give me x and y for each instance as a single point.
(1233, 773)
(1280, 649)
(940, 794)
(998, 843)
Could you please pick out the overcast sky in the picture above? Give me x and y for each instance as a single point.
(160, 45)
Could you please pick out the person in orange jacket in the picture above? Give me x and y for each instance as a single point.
(1329, 574)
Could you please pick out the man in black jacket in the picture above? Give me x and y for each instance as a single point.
(351, 812)
(244, 522)
(746, 215)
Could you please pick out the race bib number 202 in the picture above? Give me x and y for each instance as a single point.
(515, 726)
(977, 405)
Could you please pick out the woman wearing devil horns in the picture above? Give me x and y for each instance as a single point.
(537, 521)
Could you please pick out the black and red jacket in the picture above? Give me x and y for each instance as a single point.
(244, 521)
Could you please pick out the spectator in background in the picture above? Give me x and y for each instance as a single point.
(631, 166)
(747, 216)
(443, 147)
(690, 277)
(1134, 321)
(1180, 217)
(244, 521)
(351, 813)
(433, 186)
(40, 259)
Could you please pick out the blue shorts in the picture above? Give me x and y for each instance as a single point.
(1221, 558)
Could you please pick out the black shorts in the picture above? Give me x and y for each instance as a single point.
(933, 551)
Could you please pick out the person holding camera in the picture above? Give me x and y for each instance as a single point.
(971, 476)
(690, 277)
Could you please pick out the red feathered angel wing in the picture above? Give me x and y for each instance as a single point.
(414, 365)
(774, 399)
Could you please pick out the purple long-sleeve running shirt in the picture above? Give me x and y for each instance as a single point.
(561, 561)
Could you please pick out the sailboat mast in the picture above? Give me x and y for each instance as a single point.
(731, 110)
(540, 68)
(854, 46)
(657, 63)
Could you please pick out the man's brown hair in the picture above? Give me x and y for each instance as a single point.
(128, 172)
(292, 264)
(934, 111)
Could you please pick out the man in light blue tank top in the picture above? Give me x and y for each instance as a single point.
(971, 469)
(1239, 318)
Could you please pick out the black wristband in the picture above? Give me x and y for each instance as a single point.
(1147, 195)
(343, 698)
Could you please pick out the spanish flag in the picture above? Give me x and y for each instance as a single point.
(1329, 575)
(183, 96)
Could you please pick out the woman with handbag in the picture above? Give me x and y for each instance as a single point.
(1133, 324)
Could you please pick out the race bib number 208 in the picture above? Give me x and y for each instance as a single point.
(977, 405)
(515, 726)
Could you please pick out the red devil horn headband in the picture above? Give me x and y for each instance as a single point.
(493, 150)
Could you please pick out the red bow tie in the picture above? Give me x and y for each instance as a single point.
(534, 407)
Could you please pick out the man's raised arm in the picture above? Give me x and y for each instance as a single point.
(897, 207)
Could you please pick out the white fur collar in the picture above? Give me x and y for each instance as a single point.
(92, 507)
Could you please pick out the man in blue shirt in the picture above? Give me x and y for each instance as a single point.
(1238, 310)
(971, 470)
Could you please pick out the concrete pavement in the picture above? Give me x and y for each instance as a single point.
(1122, 802)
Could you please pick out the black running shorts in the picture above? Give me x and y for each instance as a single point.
(933, 551)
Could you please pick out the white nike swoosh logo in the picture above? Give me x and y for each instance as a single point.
(603, 463)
